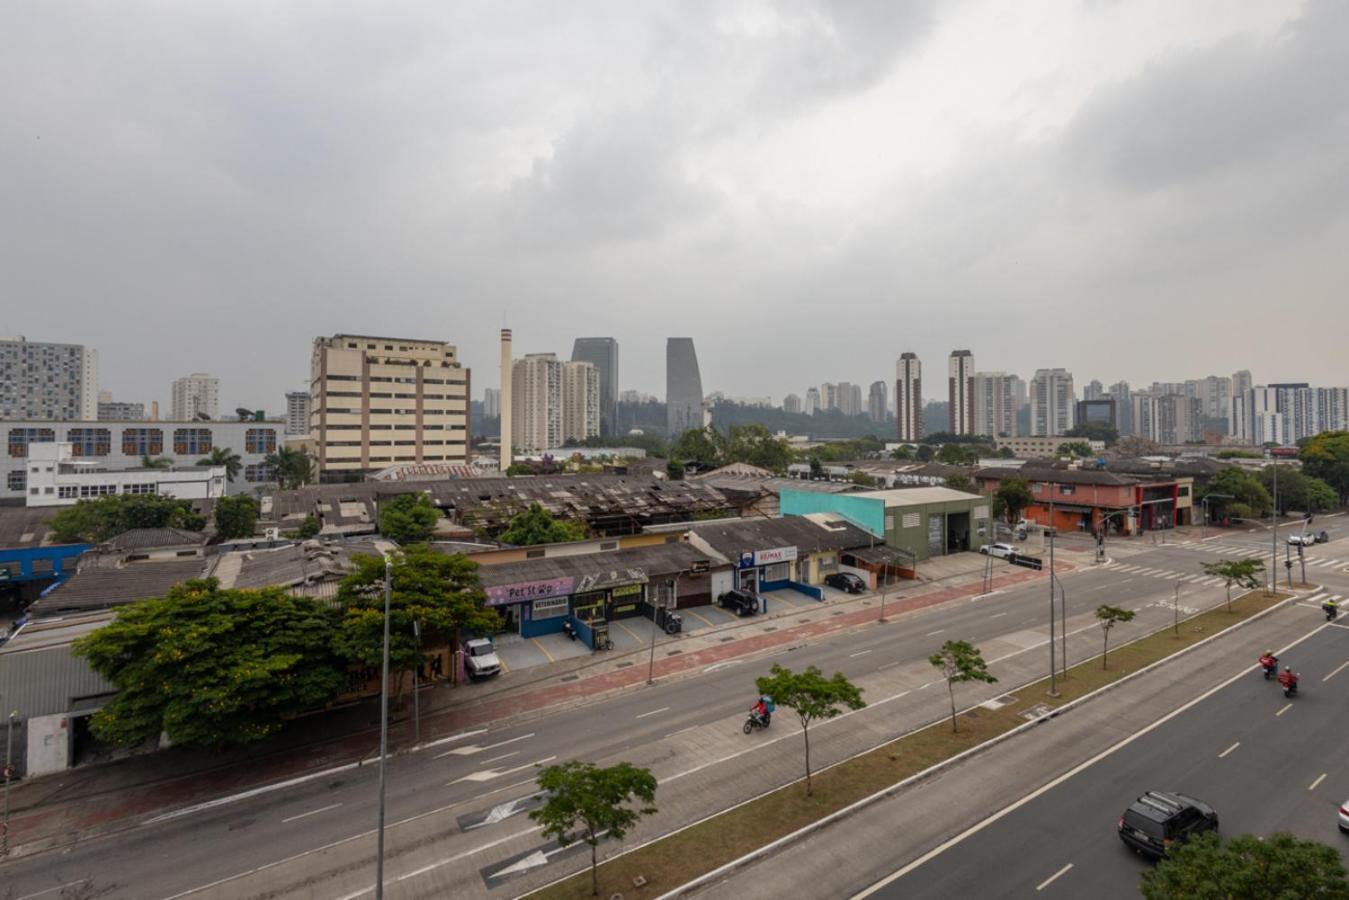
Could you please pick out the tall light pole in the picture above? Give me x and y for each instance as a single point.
(1063, 621)
(9, 771)
(1274, 532)
(383, 728)
(1053, 674)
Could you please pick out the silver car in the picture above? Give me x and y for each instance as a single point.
(1001, 551)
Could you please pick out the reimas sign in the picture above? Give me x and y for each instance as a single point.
(526, 591)
(780, 554)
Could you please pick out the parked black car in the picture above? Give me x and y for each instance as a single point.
(742, 603)
(1159, 818)
(846, 581)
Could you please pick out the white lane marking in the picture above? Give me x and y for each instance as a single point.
(938, 631)
(474, 749)
(653, 712)
(858, 653)
(715, 667)
(490, 774)
(1317, 781)
(244, 795)
(454, 737)
(312, 812)
(889, 665)
(1055, 782)
(1336, 672)
(1050, 880)
(463, 854)
(1229, 749)
(681, 731)
(996, 615)
(59, 887)
(499, 758)
(1285, 709)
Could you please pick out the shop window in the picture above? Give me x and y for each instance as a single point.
(780, 571)
(90, 441)
(68, 492)
(1067, 490)
(191, 441)
(588, 607)
(551, 608)
(142, 441)
(260, 440)
(16, 480)
(20, 438)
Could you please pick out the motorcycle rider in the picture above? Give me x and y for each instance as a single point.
(1331, 608)
(1269, 662)
(1288, 678)
(761, 712)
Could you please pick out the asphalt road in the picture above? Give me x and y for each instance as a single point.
(1263, 762)
(478, 771)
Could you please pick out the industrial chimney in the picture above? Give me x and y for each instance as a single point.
(505, 400)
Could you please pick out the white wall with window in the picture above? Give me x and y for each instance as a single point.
(57, 477)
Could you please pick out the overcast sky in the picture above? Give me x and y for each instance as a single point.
(1138, 190)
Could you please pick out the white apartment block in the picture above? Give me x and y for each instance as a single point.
(297, 413)
(536, 402)
(812, 402)
(909, 397)
(1288, 413)
(995, 404)
(378, 401)
(580, 400)
(491, 403)
(1052, 402)
(57, 477)
(960, 392)
(117, 446)
(196, 396)
(48, 382)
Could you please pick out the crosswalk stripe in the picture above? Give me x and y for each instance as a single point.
(1316, 598)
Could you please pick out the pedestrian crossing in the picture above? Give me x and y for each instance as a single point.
(1318, 599)
(1197, 578)
(1319, 562)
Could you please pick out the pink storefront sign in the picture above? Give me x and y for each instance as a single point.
(527, 591)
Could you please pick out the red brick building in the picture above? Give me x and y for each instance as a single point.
(1087, 500)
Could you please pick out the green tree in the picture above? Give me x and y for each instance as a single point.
(1075, 448)
(235, 517)
(1299, 491)
(756, 446)
(1015, 496)
(156, 462)
(1246, 497)
(408, 518)
(292, 467)
(308, 528)
(1108, 617)
(1326, 456)
(675, 470)
(959, 662)
(903, 451)
(925, 453)
(812, 696)
(439, 590)
(213, 668)
(959, 482)
(224, 456)
(1248, 573)
(1280, 867)
(537, 526)
(861, 478)
(816, 469)
(957, 455)
(701, 445)
(588, 803)
(92, 521)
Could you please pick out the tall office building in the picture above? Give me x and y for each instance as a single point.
(297, 413)
(995, 404)
(909, 397)
(1121, 394)
(196, 396)
(812, 402)
(849, 398)
(1101, 411)
(1215, 400)
(581, 400)
(828, 395)
(683, 387)
(791, 403)
(960, 392)
(1094, 390)
(47, 382)
(1051, 402)
(536, 402)
(378, 401)
(878, 401)
(602, 353)
(491, 403)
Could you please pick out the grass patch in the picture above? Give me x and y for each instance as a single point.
(678, 858)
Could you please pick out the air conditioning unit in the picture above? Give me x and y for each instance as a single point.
(272, 533)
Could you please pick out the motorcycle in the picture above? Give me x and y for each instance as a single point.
(1271, 668)
(757, 721)
(1289, 682)
(569, 629)
(674, 623)
(1331, 610)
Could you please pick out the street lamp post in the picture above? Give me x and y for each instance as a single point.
(1053, 674)
(1175, 612)
(383, 728)
(1063, 622)
(9, 772)
(651, 658)
(1274, 533)
(416, 679)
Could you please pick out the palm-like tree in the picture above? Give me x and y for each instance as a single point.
(156, 462)
(223, 456)
(293, 467)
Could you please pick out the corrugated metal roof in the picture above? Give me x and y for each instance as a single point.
(38, 674)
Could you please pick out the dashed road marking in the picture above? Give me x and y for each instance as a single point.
(1229, 749)
(1317, 781)
(653, 712)
(1285, 709)
(1050, 880)
(312, 812)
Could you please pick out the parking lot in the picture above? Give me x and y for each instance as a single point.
(519, 653)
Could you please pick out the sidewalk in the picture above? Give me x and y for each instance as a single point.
(60, 809)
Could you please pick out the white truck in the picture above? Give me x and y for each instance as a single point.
(480, 659)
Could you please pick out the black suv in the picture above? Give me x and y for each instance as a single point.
(742, 603)
(1157, 818)
(846, 581)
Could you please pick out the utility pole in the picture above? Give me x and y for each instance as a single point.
(1302, 558)
(383, 728)
(416, 677)
(1175, 612)
(651, 658)
(9, 773)
(1053, 674)
(1274, 533)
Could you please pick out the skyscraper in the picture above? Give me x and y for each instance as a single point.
(580, 400)
(1093, 391)
(850, 398)
(196, 396)
(683, 387)
(995, 404)
(1051, 402)
(828, 395)
(52, 382)
(960, 391)
(878, 401)
(909, 397)
(812, 403)
(536, 398)
(297, 412)
(1120, 393)
(491, 403)
(791, 403)
(602, 353)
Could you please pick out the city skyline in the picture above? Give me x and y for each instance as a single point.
(581, 184)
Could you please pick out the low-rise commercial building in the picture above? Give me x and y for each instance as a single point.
(1092, 500)
(56, 477)
(922, 522)
(1043, 447)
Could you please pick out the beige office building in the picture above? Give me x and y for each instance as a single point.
(378, 401)
(580, 401)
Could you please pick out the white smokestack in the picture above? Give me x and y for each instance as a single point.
(506, 456)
